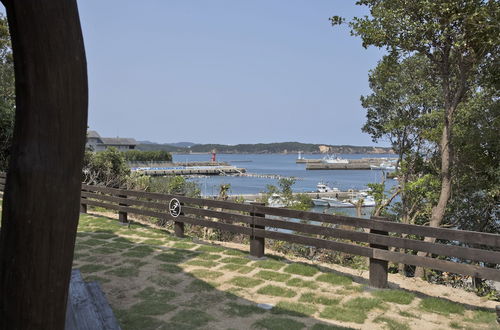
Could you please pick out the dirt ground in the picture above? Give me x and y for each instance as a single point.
(215, 285)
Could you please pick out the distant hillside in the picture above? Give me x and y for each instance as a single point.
(182, 144)
(175, 144)
(265, 148)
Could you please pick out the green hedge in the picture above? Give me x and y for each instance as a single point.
(146, 156)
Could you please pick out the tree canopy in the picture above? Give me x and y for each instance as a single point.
(7, 93)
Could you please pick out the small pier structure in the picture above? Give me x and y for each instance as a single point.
(352, 164)
(190, 170)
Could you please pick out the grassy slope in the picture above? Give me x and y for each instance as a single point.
(156, 281)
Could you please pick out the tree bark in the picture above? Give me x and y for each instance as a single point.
(439, 210)
(42, 191)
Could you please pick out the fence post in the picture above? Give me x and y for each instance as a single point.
(179, 229)
(83, 207)
(179, 226)
(378, 268)
(257, 243)
(122, 216)
(498, 313)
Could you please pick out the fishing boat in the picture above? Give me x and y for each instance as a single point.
(385, 166)
(368, 201)
(338, 203)
(323, 187)
(320, 202)
(332, 159)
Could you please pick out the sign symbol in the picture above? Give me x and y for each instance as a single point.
(174, 207)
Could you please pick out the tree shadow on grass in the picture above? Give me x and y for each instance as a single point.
(154, 280)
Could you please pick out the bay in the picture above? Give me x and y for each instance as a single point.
(283, 165)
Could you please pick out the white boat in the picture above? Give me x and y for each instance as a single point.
(338, 203)
(368, 201)
(320, 202)
(385, 166)
(323, 187)
(331, 159)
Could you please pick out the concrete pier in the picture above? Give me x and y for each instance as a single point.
(353, 164)
(338, 194)
(201, 170)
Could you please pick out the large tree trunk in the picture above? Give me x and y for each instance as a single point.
(41, 201)
(439, 210)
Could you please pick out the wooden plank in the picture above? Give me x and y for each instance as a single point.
(129, 193)
(214, 224)
(107, 317)
(127, 201)
(2, 180)
(436, 248)
(443, 265)
(233, 217)
(127, 209)
(84, 311)
(167, 197)
(443, 233)
(317, 242)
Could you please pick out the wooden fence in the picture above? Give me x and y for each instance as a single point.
(364, 237)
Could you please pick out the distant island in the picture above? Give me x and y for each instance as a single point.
(263, 148)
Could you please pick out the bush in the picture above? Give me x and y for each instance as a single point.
(106, 168)
(147, 156)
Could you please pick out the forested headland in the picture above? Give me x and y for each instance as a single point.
(268, 148)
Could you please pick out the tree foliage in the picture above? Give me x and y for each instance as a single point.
(456, 42)
(147, 156)
(107, 168)
(7, 93)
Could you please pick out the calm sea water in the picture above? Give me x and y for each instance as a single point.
(283, 165)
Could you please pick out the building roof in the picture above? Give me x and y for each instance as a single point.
(119, 141)
(93, 134)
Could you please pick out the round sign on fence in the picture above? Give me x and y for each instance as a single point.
(174, 207)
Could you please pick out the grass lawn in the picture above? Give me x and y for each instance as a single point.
(154, 280)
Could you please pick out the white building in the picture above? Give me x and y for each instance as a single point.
(97, 143)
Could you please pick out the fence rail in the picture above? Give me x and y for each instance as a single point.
(364, 237)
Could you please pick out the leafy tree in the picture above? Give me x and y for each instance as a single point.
(457, 37)
(147, 156)
(106, 168)
(7, 93)
(286, 185)
(176, 185)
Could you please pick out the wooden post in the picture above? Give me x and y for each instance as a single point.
(498, 313)
(122, 215)
(257, 244)
(83, 206)
(378, 268)
(179, 226)
(42, 192)
(179, 229)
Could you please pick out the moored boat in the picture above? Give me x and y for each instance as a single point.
(332, 159)
(320, 202)
(368, 201)
(385, 166)
(323, 187)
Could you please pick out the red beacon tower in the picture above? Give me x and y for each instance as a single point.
(213, 156)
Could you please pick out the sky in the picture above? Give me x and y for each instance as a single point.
(226, 71)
